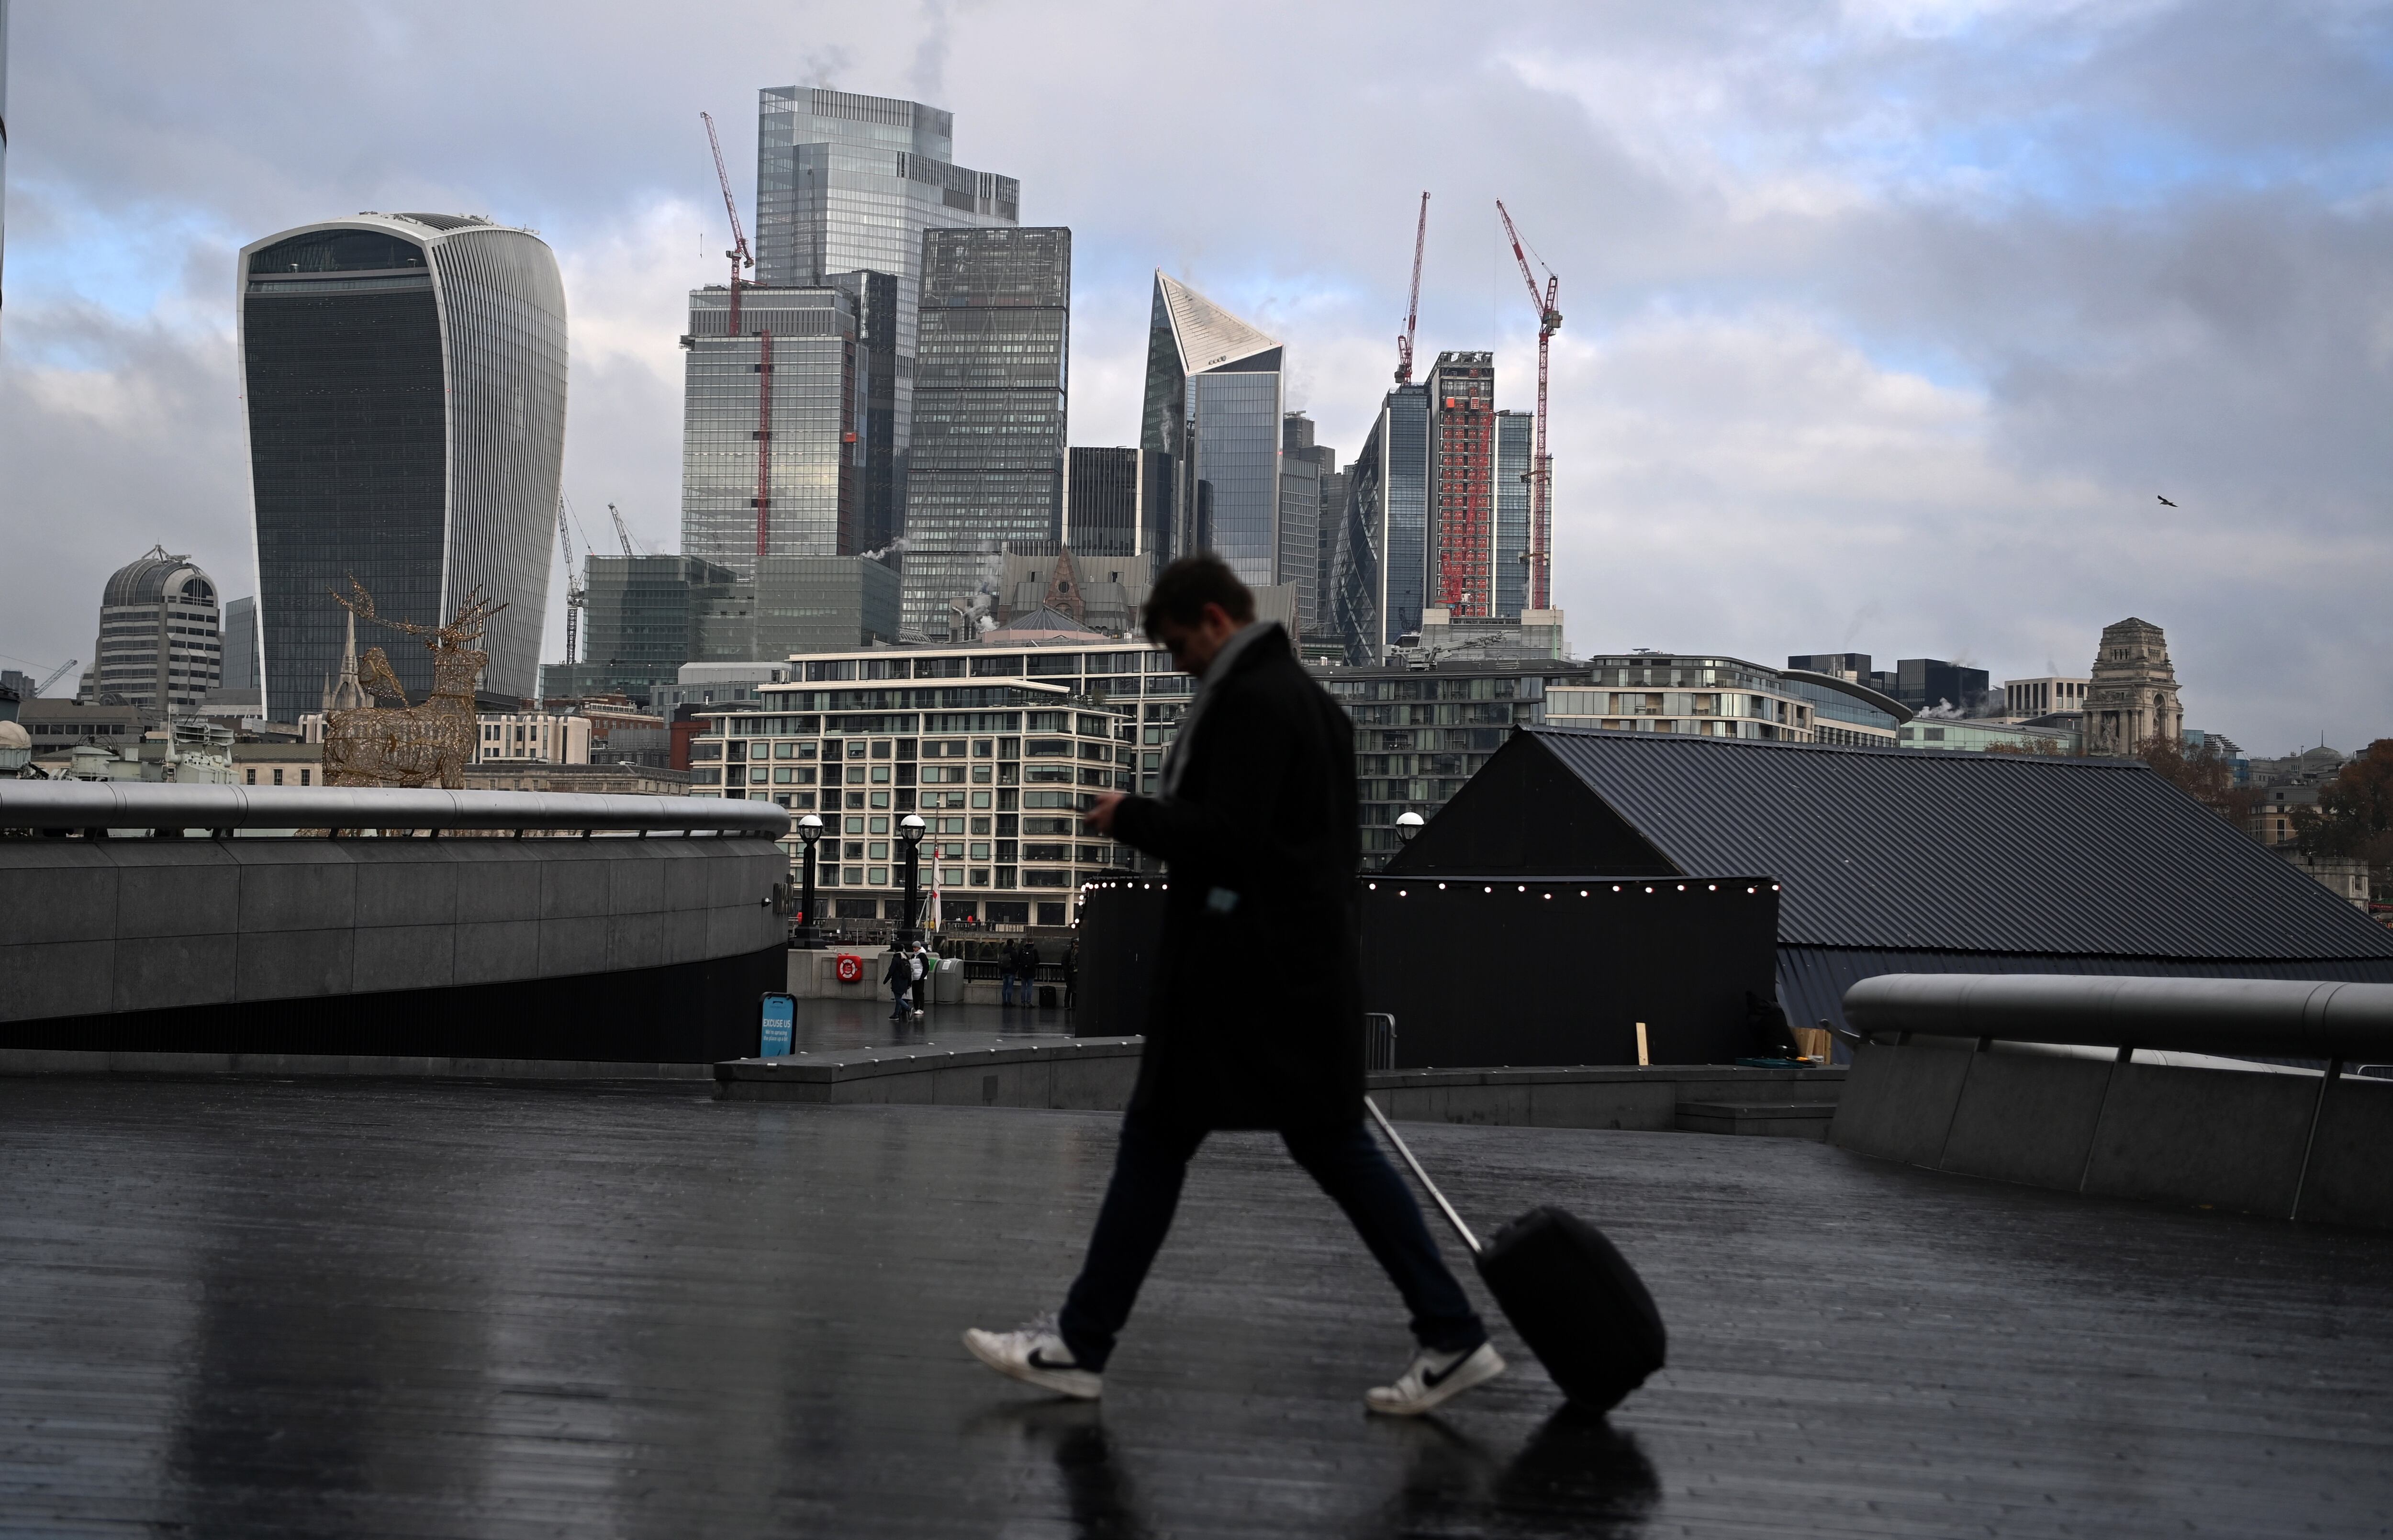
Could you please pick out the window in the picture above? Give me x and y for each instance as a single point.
(855, 826)
(278, 778)
(303, 777)
(1047, 879)
(1049, 747)
(877, 850)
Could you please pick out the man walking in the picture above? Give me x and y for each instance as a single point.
(1257, 824)
(899, 978)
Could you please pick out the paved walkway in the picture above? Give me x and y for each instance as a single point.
(264, 1309)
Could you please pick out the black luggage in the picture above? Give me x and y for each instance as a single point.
(1046, 996)
(1568, 1291)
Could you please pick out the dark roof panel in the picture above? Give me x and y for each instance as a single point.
(1922, 850)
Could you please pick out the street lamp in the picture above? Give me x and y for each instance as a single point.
(911, 828)
(810, 828)
(1409, 823)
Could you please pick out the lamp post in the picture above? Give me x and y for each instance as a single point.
(911, 828)
(810, 829)
(1409, 823)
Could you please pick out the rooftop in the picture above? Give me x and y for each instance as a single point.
(266, 1309)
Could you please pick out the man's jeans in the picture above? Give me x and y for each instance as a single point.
(902, 999)
(1011, 979)
(1148, 1168)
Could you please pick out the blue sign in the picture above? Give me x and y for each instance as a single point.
(780, 1013)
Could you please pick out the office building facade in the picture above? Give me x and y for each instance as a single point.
(1214, 398)
(160, 647)
(1515, 458)
(404, 381)
(770, 463)
(640, 625)
(1382, 578)
(846, 186)
(991, 383)
(1462, 557)
(1118, 503)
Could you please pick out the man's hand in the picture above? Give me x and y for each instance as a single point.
(1100, 815)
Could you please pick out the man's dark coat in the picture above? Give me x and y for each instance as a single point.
(1257, 1016)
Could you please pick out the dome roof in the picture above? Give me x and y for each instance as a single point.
(145, 581)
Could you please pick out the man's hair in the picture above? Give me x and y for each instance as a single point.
(1184, 589)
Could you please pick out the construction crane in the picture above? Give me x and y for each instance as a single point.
(739, 259)
(1412, 301)
(1541, 464)
(739, 252)
(55, 675)
(621, 533)
(576, 595)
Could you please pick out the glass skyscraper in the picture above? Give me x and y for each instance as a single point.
(1515, 436)
(1214, 394)
(404, 380)
(1382, 578)
(846, 187)
(990, 385)
(811, 463)
(1118, 502)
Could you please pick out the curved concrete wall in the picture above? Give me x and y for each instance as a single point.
(2285, 1144)
(213, 945)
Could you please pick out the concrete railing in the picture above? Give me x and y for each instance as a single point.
(2295, 1019)
(1959, 1073)
(164, 807)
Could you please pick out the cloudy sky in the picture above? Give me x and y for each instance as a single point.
(1888, 321)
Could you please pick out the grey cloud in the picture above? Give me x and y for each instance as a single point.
(2100, 248)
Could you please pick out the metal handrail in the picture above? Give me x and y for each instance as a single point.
(160, 805)
(2274, 1017)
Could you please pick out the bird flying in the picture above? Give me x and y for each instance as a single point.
(2164, 502)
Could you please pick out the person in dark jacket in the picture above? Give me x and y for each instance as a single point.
(1248, 1029)
(899, 977)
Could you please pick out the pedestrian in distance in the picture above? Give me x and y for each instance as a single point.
(1256, 822)
(1072, 974)
(1016, 975)
(921, 958)
(899, 978)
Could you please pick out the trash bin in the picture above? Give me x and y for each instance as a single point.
(948, 983)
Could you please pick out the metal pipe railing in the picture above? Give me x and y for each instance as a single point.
(2273, 1017)
(164, 805)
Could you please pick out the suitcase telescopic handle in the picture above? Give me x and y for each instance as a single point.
(1443, 1207)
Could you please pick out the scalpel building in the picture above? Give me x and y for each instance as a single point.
(403, 376)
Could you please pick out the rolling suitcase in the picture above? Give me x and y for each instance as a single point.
(1568, 1291)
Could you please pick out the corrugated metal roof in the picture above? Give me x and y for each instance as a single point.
(1900, 849)
(1812, 980)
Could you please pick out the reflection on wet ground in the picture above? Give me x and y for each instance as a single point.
(407, 1310)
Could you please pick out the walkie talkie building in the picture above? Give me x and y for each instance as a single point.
(404, 379)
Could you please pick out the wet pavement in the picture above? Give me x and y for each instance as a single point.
(407, 1310)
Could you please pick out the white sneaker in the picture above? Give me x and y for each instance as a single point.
(1036, 1355)
(1432, 1379)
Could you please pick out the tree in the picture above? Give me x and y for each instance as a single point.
(2354, 816)
(2202, 774)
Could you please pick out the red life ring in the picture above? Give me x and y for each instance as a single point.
(849, 968)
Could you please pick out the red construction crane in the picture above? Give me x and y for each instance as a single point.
(1541, 465)
(739, 252)
(1412, 303)
(739, 259)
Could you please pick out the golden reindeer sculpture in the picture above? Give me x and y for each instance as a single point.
(426, 745)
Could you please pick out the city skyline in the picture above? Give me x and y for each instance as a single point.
(1931, 390)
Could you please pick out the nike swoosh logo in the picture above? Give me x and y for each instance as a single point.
(1038, 1363)
(1433, 1378)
